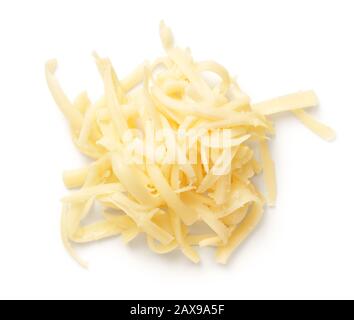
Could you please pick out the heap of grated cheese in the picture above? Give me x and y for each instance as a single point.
(165, 200)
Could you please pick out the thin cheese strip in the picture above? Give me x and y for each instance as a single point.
(238, 119)
(94, 191)
(187, 215)
(166, 36)
(72, 114)
(144, 223)
(65, 238)
(269, 173)
(239, 197)
(160, 248)
(75, 178)
(120, 197)
(184, 189)
(317, 127)
(122, 221)
(150, 108)
(243, 156)
(82, 102)
(243, 100)
(199, 198)
(174, 88)
(187, 108)
(187, 250)
(289, 102)
(196, 239)
(212, 241)
(216, 225)
(134, 78)
(88, 151)
(96, 231)
(97, 172)
(130, 110)
(226, 143)
(222, 189)
(233, 219)
(175, 178)
(221, 167)
(137, 186)
(113, 102)
(75, 213)
(218, 69)
(224, 252)
(190, 71)
(88, 123)
(156, 232)
(130, 235)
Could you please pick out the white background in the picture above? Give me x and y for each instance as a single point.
(302, 249)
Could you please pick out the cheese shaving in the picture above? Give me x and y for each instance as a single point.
(171, 149)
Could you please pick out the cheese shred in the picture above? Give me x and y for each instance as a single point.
(172, 150)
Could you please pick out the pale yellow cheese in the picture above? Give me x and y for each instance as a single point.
(286, 103)
(317, 127)
(269, 173)
(171, 151)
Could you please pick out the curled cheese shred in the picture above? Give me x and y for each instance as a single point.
(206, 179)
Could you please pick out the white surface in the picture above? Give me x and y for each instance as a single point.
(302, 249)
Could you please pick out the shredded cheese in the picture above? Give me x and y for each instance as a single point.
(171, 149)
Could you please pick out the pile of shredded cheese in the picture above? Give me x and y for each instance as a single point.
(165, 200)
